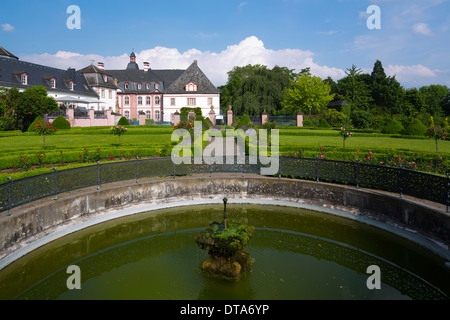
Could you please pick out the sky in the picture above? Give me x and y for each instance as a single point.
(329, 36)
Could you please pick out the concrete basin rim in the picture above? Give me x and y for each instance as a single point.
(113, 214)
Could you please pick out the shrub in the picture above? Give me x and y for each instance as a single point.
(392, 127)
(379, 122)
(323, 123)
(361, 119)
(415, 128)
(123, 122)
(310, 122)
(244, 121)
(334, 118)
(33, 124)
(61, 123)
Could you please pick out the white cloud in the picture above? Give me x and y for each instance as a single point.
(217, 64)
(412, 75)
(214, 64)
(328, 33)
(241, 6)
(422, 28)
(7, 27)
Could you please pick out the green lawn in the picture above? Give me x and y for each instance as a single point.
(365, 143)
(19, 151)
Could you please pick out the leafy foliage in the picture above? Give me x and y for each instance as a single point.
(123, 122)
(392, 127)
(19, 109)
(308, 94)
(254, 88)
(61, 123)
(415, 128)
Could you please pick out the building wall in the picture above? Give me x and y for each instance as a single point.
(181, 101)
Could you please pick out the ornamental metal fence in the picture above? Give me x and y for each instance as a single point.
(397, 180)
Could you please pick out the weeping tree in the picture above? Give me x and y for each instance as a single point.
(254, 88)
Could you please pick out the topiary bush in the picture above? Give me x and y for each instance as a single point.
(61, 123)
(392, 127)
(123, 122)
(415, 128)
(323, 123)
(245, 120)
(33, 124)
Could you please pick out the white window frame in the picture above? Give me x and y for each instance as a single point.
(191, 102)
(157, 101)
(24, 79)
(126, 101)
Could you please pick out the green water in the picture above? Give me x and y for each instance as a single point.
(298, 254)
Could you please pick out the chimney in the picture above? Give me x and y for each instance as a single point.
(146, 66)
(101, 66)
(195, 61)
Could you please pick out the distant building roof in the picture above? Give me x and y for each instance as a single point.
(194, 75)
(157, 79)
(96, 77)
(11, 70)
(6, 53)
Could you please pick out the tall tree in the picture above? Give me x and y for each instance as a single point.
(354, 89)
(19, 109)
(413, 102)
(386, 91)
(434, 97)
(308, 94)
(254, 88)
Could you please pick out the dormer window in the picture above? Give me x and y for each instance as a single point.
(24, 79)
(71, 85)
(53, 83)
(191, 87)
(139, 86)
(147, 86)
(156, 86)
(105, 79)
(126, 86)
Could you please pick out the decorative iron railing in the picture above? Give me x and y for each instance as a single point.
(81, 114)
(399, 180)
(100, 114)
(60, 112)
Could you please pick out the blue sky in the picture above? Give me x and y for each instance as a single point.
(326, 35)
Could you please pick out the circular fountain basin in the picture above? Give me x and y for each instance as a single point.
(298, 254)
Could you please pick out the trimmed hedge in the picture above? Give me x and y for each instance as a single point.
(61, 123)
(415, 128)
(392, 127)
(38, 118)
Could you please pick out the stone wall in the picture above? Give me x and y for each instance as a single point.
(40, 218)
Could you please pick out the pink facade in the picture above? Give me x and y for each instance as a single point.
(134, 108)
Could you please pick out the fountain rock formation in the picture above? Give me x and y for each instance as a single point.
(225, 245)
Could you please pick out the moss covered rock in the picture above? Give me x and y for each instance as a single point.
(225, 249)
